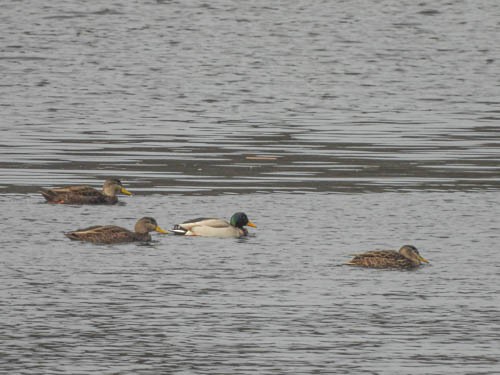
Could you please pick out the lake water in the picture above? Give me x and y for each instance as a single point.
(338, 127)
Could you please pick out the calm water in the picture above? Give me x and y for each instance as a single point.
(175, 96)
(337, 126)
(278, 301)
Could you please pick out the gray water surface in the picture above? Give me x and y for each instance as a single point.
(337, 126)
(177, 96)
(279, 301)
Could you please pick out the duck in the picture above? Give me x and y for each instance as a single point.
(212, 227)
(86, 194)
(406, 258)
(110, 234)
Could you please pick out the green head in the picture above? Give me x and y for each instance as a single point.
(240, 219)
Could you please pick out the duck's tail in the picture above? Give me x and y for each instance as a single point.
(72, 235)
(48, 194)
(177, 229)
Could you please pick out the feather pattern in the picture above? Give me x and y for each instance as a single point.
(108, 234)
(85, 194)
(213, 227)
(407, 257)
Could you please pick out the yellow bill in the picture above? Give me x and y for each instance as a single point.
(125, 191)
(250, 224)
(159, 230)
(422, 259)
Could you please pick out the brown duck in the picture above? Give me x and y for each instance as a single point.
(108, 234)
(407, 257)
(86, 194)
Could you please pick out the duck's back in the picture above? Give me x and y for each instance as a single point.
(205, 221)
(208, 227)
(107, 234)
(77, 195)
(381, 259)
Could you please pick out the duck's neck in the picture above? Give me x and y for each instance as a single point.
(109, 191)
(112, 200)
(413, 260)
(143, 236)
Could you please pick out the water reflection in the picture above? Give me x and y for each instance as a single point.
(305, 160)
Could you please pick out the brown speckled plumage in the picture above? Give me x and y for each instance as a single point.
(407, 257)
(86, 194)
(108, 234)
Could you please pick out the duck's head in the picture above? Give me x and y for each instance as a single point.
(240, 219)
(113, 186)
(148, 224)
(411, 252)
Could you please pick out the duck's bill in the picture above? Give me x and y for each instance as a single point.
(160, 230)
(250, 224)
(125, 191)
(422, 259)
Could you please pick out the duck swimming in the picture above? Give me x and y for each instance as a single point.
(86, 194)
(211, 227)
(109, 234)
(407, 257)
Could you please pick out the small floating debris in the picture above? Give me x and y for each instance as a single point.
(261, 157)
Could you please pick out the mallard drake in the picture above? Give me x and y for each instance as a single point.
(107, 234)
(210, 227)
(86, 194)
(407, 257)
